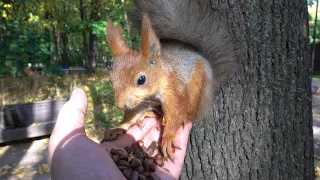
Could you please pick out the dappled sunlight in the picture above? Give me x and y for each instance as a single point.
(38, 150)
(3, 150)
(24, 160)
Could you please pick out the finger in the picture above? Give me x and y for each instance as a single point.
(132, 135)
(175, 167)
(71, 115)
(153, 135)
(70, 118)
(137, 133)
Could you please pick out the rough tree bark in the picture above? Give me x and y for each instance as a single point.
(262, 127)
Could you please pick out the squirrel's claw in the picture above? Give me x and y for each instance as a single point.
(164, 151)
(170, 152)
(140, 124)
(168, 148)
(175, 144)
(112, 134)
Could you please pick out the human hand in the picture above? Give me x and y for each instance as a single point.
(74, 156)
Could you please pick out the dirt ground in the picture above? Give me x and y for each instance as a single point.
(25, 160)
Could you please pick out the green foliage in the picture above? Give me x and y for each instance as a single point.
(30, 32)
(103, 117)
(19, 43)
(116, 13)
(100, 91)
(316, 77)
(53, 69)
(312, 15)
(5, 67)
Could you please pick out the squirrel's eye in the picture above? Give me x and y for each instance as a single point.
(141, 80)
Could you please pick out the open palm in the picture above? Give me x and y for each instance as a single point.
(74, 156)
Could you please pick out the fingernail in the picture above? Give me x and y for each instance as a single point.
(74, 92)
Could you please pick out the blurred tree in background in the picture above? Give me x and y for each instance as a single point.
(312, 17)
(58, 33)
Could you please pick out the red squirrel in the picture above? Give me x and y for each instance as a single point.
(185, 54)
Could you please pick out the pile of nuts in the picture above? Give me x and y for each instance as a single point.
(138, 162)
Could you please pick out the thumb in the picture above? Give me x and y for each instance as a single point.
(70, 118)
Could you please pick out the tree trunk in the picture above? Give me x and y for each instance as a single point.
(92, 52)
(262, 125)
(93, 49)
(47, 34)
(126, 18)
(85, 49)
(56, 46)
(64, 54)
(84, 36)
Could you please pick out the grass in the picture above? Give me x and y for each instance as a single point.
(317, 167)
(316, 77)
(101, 113)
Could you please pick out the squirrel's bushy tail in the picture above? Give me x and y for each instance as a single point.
(193, 22)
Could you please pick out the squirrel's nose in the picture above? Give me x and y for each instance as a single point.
(120, 101)
(121, 106)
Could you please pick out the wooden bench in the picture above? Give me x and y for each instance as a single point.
(75, 71)
(28, 120)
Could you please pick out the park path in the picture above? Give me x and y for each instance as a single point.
(25, 160)
(29, 159)
(316, 118)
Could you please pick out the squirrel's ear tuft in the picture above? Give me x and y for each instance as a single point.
(116, 42)
(150, 45)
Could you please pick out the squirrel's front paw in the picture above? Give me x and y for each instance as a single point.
(168, 145)
(140, 124)
(112, 134)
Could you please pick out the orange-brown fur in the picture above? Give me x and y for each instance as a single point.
(196, 90)
(179, 105)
